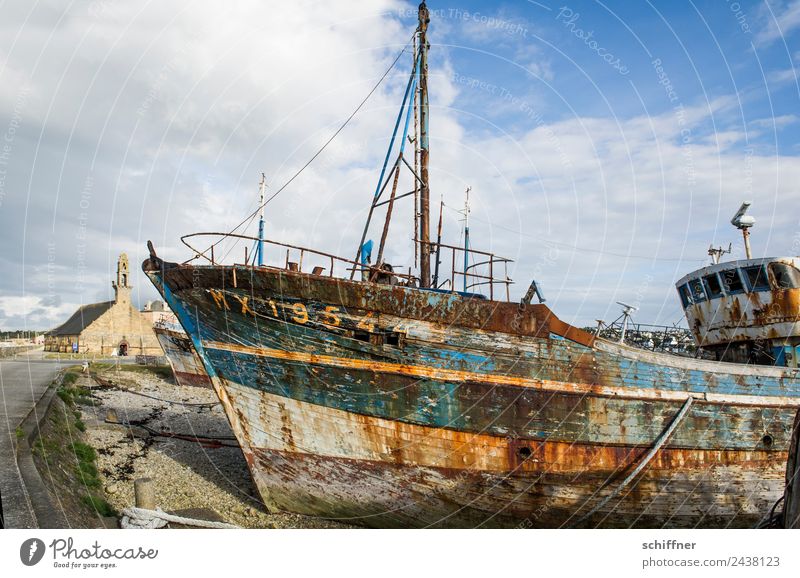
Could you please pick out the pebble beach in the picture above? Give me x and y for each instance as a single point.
(206, 471)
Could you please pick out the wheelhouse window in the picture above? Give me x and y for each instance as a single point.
(698, 293)
(756, 278)
(713, 286)
(686, 296)
(731, 281)
(785, 276)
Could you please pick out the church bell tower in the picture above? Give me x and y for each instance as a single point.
(122, 288)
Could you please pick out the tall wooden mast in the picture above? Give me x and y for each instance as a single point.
(424, 194)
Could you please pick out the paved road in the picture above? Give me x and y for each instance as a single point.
(22, 383)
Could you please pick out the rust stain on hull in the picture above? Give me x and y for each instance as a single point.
(381, 473)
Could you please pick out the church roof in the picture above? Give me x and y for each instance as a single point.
(81, 319)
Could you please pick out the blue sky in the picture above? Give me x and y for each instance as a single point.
(722, 74)
(606, 144)
(709, 50)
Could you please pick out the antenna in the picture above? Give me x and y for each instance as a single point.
(627, 311)
(599, 327)
(743, 223)
(716, 254)
(260, 249)
(466, 206)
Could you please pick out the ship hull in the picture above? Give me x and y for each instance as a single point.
(187, 367)
(383, 473)
(388, 406)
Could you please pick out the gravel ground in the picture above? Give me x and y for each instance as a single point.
(186, 474)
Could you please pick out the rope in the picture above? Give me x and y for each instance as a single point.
(108, 383)
(773, 520)
(143, 519)
(167, 400)
(319, 152)
(660, 442)
(205, 441)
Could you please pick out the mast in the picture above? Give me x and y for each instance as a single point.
(424, 196)
(415, 106)
(410, 88)
(260, 249)
(466, 237)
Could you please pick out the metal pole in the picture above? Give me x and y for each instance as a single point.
(746, 235)
(379, 260)
(381, 183)
(438, 247)
(624, 327)
(466, 238)
(647, 458)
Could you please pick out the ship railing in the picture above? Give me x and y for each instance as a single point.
(166, 322)
(660, 338)
(293, 258)
(481, 271)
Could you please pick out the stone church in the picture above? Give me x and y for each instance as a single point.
(109, 328)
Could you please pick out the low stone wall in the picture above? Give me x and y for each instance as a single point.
(12, 351)
(151, 360)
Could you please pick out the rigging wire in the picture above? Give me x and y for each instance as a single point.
(576, 247)
(252, 215)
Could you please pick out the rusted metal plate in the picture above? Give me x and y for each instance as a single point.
(443, 308)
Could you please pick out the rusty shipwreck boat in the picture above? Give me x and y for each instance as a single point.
(186, 365)
(384, 398)
(747, 310)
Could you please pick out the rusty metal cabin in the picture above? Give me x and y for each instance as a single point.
(746, 311)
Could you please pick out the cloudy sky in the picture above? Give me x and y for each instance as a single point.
(607, 144)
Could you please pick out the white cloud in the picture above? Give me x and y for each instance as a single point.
(30, 312)
(619, 187)
(780, 24)
(777, 122)
(530, 57)
(172, 112)
(780, 77)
